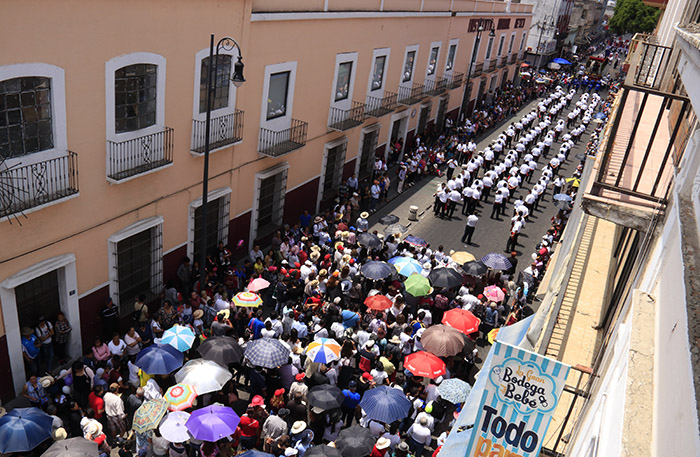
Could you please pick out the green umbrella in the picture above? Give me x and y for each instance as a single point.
(418, 285)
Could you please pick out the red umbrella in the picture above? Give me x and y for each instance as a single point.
(424, 364)
(462, 320)
(378, 302)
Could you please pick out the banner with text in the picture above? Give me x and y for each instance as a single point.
(521, 393)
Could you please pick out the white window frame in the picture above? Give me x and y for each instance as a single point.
(489, 49)
(58, 108)
(381, 52)
(376, 127)
(282, 122)
(322, 178)
(453, 42)
(225, 207)
(279, 168)
(344, 57)
(111, 66)
(501, 44)
(409, 83)
(522, 42)
(231, 108)
(112, 242)
(510, 45)
(433, 45)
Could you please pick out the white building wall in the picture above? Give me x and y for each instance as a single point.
(541, 10)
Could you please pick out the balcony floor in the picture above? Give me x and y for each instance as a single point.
(282, 148)
(347, 124)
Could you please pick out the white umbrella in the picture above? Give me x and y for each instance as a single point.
(204, 375)
(173, 427)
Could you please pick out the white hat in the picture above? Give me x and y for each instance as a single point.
(60, 434)
(298, 427)
(369, 344)
(383, 443)
(46, 381)
(291, 451)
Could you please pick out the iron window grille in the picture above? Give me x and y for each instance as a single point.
(221, 82)
(271, 195)
(217, 224)
(135, 95)
(367, 154)
(26, 124)
(38, 297)
(333, 176)
(442, 110)
(423, 119)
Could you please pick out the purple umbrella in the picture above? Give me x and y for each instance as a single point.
(212, 423)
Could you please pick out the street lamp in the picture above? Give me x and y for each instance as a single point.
(467, 91)
(227, 44)
(543, 25)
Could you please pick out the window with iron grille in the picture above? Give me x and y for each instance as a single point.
(135, 94)
(26, 124)
(442, 109)
(217, 222)
(423, 119)
(38, 297)
(271, 193)
(369, 145)
(335, 159)
(408, 66)
(219, 97)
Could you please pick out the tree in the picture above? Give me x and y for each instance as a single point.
(633, 16)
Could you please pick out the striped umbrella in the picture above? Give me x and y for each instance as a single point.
(247, 300)
(415, 241)
(180, 396)
(454, 390)
(496, 261)
(424, 364)
(149, 414)
(267, 352)
(323, 350)
(180, 337)
(494, 293)
(406, 266)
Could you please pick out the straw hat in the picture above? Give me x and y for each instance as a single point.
(316, 248)
(46, 381)
(60, 434)
(315, 255)
(225, 313)
(26, 331)
(298, 427)
(364, 215)
(198, 314)
(339, 244)
(383, 443)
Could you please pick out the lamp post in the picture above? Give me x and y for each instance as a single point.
(227, 44)
(467, 90)
(543, 25)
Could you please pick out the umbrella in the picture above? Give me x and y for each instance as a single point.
(562, 197)
(323, 350)
(247, 300)
(178, 336)
(415, 241)
(563, 205)
(575, 182)
(369, 240)
(221, 349)
(256, 453)
(454, 390)
(553, 66)
(23, 429)
(445, 277)
(376, 270)
(203, 375)
(389, 219)
(561, 61)
(325, 397)
(323, 450)
(258, 284)
(424, 364)
(406, 266)
(496, 261)
(580, 156)
(417, 285)
(180, 396)
(475, 268)
(442, 340)
(394, 229)
(385, 404)
(267, 352)
(355, 441)
(542, 70)
(493, 334)
(213, 423)
(72, 447)
(494, 293)
(600, 115)
(462, 320)
(149, 414)
(173, 427)
(462, 257)
(378, 302)
(159, 359)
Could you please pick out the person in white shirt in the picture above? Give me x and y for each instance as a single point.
(497, 205)
(418, 436)
(469, 228)
(114, 409)
(117, 346)
(454, 197)
(513, 237)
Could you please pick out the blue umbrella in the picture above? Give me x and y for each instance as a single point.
(406, 266)
(267, 352)
(255, 453)
(561, 61)
(377, 270)
(599, 115)
(415, 241)
(23, 429)
(496, 261)
(159, 359)
(542, 70)
(454, 390)
(385, 404)
(562, 198)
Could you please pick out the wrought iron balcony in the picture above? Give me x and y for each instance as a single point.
(647, 61)
(513, 58)
(276, 143)
(224, 130)
(23, 187)
(455, 80)
(345, 119)
(378, 107)
(145, 153)
(477, 69)
(410, 95)
(489, 65)
(435, 86)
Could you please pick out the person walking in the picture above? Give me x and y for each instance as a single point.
(497, 205)
(469, 228)
(514, 233)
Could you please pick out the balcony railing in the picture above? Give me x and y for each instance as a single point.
(455, 80)
(648, 63)
(377, 107)
(139, 155)
(477, 69)
(410, 95)
(513, 58)
(489, 66)
(224, 130)
(345, 119)
(276, 143)
(27, 186)
(435, 86)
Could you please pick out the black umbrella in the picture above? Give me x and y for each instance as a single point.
(394, 229)
(323, 450)
(325, 397)
(389, 219)
(355, 441)
(562, 204)
(369, 240)
(377, 270)
(445, 277)
(221, 349)
(475, 268)
(580, 156)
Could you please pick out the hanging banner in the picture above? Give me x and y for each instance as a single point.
(522, 390)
